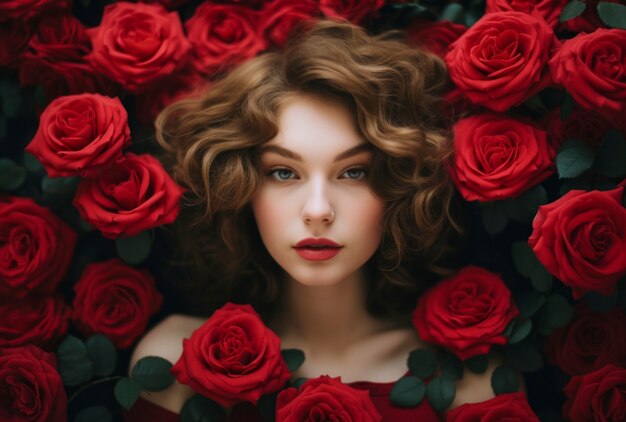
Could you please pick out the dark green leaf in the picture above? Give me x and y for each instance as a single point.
(521, 330)
(73, 362)
(530, 303)
(611, 158)
(612, 15)
(477, 364)
(31, 163)
(572, 9)
(127, 392)
(201, 409)
(453, 12)
(133, 250)
(558, 311)
(578, 184)
(293, 358)
(573, 159)
(299, 381)
(94, 414)
(440, 392)
(509, 329)
(267, 406)
(153, 373)
(408, 392)
(535, 104)
(567, 107)
(494, 217)
(523, 356)
(103, 355)
(12, 176)
(60, 189)
(504, 380)
(528, 265)
(422, 362)
(600, 303)
(450, 364)
(524, 207)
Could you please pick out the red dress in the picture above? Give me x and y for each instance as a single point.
(146, 411)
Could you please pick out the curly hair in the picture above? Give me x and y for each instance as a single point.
(212, 145)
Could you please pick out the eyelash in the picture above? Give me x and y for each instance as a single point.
(273, 174)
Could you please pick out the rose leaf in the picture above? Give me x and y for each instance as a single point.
(408, 392)
(94, 414)
(74, 364)
(450, 364)
(530, 303)
(31, 163)
(521, 330)
(201, 409)
(440, 392)
(528, 265)
(12, 176)
(127, 392)
(133, 250)
(153, 373)
(267, 406)
(494, 217)
(558, 311)
(524, 207)
(422, 362)
(567, 106)
(504, 380)
(477, 364)
(103, 355)
(572, 9)
(600, 303)
(573, 159)
(523, 356)
(612, 15)
(611, 159)
(453, 12)
(293, 358)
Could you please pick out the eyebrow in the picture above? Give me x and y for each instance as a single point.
(342, 156)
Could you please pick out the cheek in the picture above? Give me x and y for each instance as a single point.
(367, 217)
(267, 213)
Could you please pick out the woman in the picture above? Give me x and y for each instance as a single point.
(317, 178)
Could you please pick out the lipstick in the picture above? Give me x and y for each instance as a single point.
(320, 249)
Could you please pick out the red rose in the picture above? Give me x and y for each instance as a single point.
(35, 245)
(590, 341)
(223, 35)
(14, 36)
(435, 37)
(115, 300)
(279, 18)
(24, 10)
(549, 9)
(353, 10)
(498, 157)
(326, 399)
(466, 313)
(508, 407)
(78, 135)
(591, 67)
(31, 389)
(40, 320)
(585, 125)
(597, 396)
(581, 239)
(501, 60)
(138, 44)
(233, 357)
(133, 195)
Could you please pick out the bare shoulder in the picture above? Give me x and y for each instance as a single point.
(165, 340)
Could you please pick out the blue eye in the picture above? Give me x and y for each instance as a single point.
(281, 174)
(356, 173)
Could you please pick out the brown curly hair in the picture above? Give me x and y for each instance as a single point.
(212, 148)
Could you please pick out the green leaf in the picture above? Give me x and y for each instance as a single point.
(12, 176)
(523, 356)
(530, 303)
(611, 158)
(127, 392)
(494, 217)
(612, 15)
(408, 392)
(294, 358)
(477, 364)
(509, 329)
(58, 192)
(524, 207)
(450, 364)
(528, 265)
(31, 163)
(600, 303)
(453, 12)
(103, 355)
(94, 414)
(133, 250)
(558, 311)
(521, 330)
(267, 406)
(73, 362)
(422, 362)
(153, 373)
(299, 381)
(504, 380)
(572, 9)
(573, 159)
(536, 104)
(440, 392)
(567, 106)
(201, 409)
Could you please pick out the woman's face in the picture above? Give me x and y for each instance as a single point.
(315, 193)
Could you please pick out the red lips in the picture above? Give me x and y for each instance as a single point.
(317, 242)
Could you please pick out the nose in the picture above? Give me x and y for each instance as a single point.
(317, 207)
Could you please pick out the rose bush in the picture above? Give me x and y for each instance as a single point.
(508, 407)
(466, 313)
(26, 10)
(233, 357)
(581, 239)
(115, 300)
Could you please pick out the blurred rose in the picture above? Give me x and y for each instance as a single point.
(581, 239)
(138, 44)
(31, 389)
(39, 320)
(435, 37)
(590, 341)
(502, 59)
(170, 4)
(25, 10)
(115, 300)
(78, 135)
(466, 313)
(135, 194)
(353, 10)
(35, 245)
(280, 17)
(498, 157)
(591, 68)
(510, 407)
(223, 35)
(549, 9)
(14, 37)
(585, 125)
